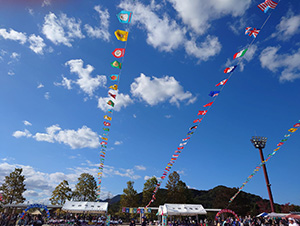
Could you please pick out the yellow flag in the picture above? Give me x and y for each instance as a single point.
(114, 87)
(131, 210)
(104, 138)
(276, 149)
(121, 35)
(292, 130)
(107, 117)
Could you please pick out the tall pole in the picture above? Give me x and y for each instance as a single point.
(267, 180)
(260, 143)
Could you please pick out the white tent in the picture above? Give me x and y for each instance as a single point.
(181, 209)
(85, 207)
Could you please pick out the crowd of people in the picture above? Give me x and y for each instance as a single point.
(77, 220)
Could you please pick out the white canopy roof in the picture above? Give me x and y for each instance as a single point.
(181, 209)
(83, 207)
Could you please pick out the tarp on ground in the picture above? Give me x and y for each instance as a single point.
(181, 209)
(85, 207)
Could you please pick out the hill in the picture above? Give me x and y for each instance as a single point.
(218, 197)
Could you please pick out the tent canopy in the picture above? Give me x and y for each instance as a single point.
(84, 207)
(181, 209)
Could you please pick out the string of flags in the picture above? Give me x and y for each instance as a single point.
(125, 18)
(279, 145)
(268, 4)
(136, 210)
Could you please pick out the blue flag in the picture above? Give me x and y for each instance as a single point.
(124, 17)
(214, 93)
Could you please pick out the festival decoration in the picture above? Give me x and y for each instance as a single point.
(261, 164)
(268, 4)
(240, 54)
(124, 16)
(116, 64)
(121, 35)
(227, 211)
(118, 53)
(222, 83)
(114, 77)
(229, 69)
(213, 94)
(252, 32)
(39, 206)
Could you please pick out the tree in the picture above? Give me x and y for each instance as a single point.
(85, 189)
(177, 190)
(129, 198)
(61, 193)
(13, 187)
(148, 189)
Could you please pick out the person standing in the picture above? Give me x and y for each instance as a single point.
(292, 222)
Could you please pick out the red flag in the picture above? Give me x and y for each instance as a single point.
(185, 139)
(179, 148)
(207, 105)
(222, 83)
(103, 142)
(197, 120)
(112, 95)
(297, 125)
(102, 156)
(279, 144)
(202, 112)
(118, 53)
(106, 123)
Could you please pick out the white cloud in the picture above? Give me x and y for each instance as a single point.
(46, 3)
(148, 177)
(288, 26)
(81, 138)
(206, 49)
(26, 123)
(47, 95)
(15, 55)
(13, 35)
(289, 63)
(140, 167)
(66, 83)
(156, 90)
(168, 116)
(25, 133)
(30, 11)
(118, 142)
(87, 83)
(102, 31)
(61, 30)
(166, 34)
(157, 28)
(11, 73)
(40, 86)
(36, 44)
(197, 14)
(121, 101)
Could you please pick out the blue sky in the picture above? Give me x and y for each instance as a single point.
(55, 64)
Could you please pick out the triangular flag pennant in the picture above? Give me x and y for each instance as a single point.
(207, 105)
(240, 54)
(112, 95)
(222, 83)
(229, 69)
